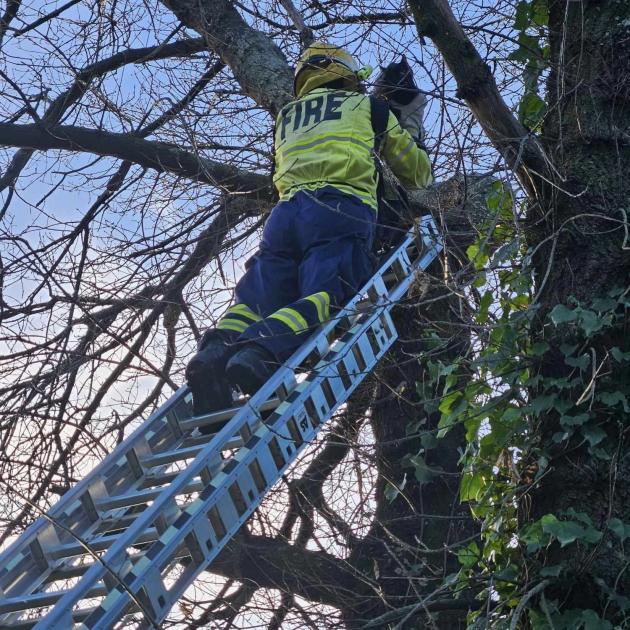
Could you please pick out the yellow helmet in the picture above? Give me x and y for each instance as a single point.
(322, 63)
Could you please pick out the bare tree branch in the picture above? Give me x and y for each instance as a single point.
(306, 34)
(158, 156)
(257, 63)
(82, 82)
(273, 563)
(477, 86)
(9, 15)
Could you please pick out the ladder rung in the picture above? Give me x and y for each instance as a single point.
(224, 414)
(68, 571)
(158, 479)
(141, 496)
(364, 306)
(187, 452)
(38, 600)
(168, 457)
(98, 544)
(124, 520)
(24, 624)
(27, 624)
(201, 439)
(65, 571)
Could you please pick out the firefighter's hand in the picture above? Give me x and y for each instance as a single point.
(411, 115)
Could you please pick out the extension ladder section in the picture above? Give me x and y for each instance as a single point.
(121, 547)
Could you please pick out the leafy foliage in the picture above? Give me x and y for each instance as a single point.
(501, 407)
(530, 22)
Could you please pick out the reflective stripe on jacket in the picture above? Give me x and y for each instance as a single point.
(326, 138)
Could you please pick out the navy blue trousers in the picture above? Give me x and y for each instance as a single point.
(315, 254)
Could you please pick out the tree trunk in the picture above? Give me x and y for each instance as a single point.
(586, 257)
(412, 543)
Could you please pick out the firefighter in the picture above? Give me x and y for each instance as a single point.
(315, 251)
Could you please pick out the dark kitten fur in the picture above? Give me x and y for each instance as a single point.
(396, 82)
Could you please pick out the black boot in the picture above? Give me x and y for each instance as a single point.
(251, 367)
(205, 373)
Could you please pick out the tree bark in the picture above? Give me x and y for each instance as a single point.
(578, 231)
(410, 544)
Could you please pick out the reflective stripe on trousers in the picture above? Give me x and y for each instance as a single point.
(295, 319)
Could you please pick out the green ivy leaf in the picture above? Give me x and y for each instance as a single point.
(428, 440)
(469, 555)
(579, 516)
(618, 527)
(575, 421)
(533, 536)
(521, 54)
(551, 571)
(471, 486)
(567, 349)
(531, 110)
(542, 403)
(519, 302)
(591, 322)
(509, 574)
(582, 362)
(507, 251)
(484, 305)
(540, 13)
(563, 404)
(620, 600)
(472, 251)
(610, 399)
(560, 314)
(521, 18)
(472, 427)
(560, 436)
(392, 490)
(449, 400)
(604, 304)
(567, 532)
(481, 279)
(539, 348)
(594, 434)
(501, 202)
(422, 472)
(451, 380)
(619, 356)
(512, 414)
(592, 621)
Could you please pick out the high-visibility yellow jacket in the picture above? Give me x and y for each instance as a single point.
(326, 138)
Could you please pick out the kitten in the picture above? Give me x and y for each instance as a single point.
(396, 83)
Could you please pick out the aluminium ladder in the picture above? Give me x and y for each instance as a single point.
(120, 548)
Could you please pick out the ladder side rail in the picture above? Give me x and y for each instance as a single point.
(73, 494)
(433, 246)
(243, 416)
(147, 570)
